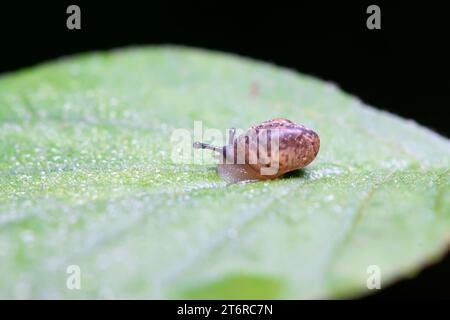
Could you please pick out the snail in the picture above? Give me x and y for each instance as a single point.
(265, 151)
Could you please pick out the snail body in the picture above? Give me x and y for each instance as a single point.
(266, 151)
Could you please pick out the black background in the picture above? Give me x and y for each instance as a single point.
(403, 68)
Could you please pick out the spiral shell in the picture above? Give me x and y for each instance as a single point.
(269, 150)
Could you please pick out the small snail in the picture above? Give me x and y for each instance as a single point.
(266, 151)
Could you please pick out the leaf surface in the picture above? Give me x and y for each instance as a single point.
(86, 179)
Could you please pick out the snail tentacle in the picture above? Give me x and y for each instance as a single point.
(201, 145)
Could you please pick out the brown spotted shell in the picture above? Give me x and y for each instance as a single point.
(252, 155)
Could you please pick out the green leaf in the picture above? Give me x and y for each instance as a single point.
(86, 179)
